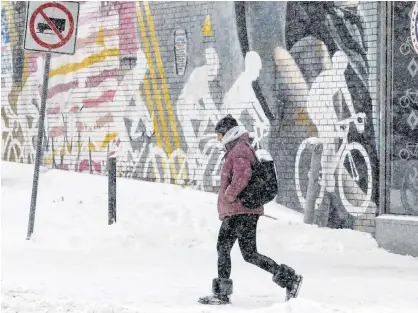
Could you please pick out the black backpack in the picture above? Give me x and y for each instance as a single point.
(262, 187)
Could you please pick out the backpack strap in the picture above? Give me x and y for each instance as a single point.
(253, 150)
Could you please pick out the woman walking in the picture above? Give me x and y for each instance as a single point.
(238, 222)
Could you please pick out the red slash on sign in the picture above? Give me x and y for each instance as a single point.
(62, 40)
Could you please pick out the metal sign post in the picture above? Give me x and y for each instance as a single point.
(39, 147)
(51, 27)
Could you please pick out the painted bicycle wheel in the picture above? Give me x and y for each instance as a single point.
(355, 179)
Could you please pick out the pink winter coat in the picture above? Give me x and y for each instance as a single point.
(235, 175)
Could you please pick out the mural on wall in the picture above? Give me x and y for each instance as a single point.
(180, 51)
(404, 111)
(11, 147)
(330, 130)
(196, 105)
(303, 43)
(333, 38)
(120, 94)
(241, 98)
(82, 120)
(6, 66)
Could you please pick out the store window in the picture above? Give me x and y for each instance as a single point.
(403, 198)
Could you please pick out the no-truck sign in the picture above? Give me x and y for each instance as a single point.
(51, 26)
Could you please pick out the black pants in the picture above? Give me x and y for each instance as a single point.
(244, 228)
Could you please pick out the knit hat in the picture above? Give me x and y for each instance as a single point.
(225, 124)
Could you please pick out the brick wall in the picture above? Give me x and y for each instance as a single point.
(311, 105)
(121, 92)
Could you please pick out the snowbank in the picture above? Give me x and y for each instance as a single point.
(161, 254)
(72, 214)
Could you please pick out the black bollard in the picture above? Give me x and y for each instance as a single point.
(112, 191)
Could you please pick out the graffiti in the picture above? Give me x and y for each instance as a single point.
(241, 97)
(406, 47)
(122, 95)
(325, 118)
(413, 68)
(321, 109)
(6, 60)
(207, 27)
(162, 95)
(180, 51)
(196, 103)
(411, 150)
(6, 65)
(82, 90)
(5, 37)
(413, 41)
(409, 99)
(6, 56)
(334, 84)
(359, 171)
(412, 120)
(134, 111)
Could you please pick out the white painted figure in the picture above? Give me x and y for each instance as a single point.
(188, 106)
(241, 97)
(321, 110)
(128, 92)
(130, 89)
(196, 89)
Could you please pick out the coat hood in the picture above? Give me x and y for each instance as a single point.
(233, 134)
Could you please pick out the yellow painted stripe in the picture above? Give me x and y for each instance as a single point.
(153, 78)
(151, 109)
(108, 138)
(162, 113)
(25, 67)
(90, 60)
(165, 90)
(100, 40)
(147, 88)
(163, 80)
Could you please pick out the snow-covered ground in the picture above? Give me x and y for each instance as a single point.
(160, 256)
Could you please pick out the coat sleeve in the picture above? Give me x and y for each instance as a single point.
(241, 175)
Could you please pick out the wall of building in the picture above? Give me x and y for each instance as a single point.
(287, 70)
(398, 234)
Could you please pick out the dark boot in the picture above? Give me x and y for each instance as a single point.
(221, 289)
(287, 278)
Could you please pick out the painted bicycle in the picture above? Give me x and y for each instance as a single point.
(351, 164)
(409, 99)
(411, 149)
